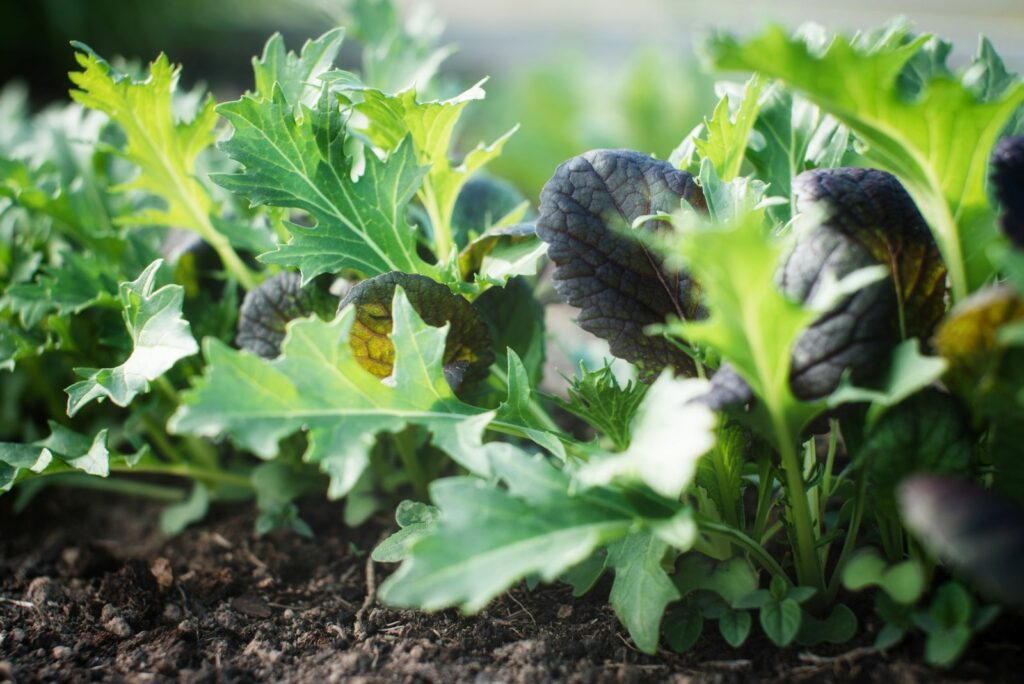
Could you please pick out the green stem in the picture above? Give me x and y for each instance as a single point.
(765, 487)
(808, 569)
(756, 551)
(157, 436)
(443, 243)
(187, 471)
(115, 485)
(405, 446)
(860, 498)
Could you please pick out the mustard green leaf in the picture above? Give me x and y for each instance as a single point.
(318, 385)
(297, 160)
(160, 338)
(918, 121)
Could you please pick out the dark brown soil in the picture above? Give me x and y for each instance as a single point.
(90, 591)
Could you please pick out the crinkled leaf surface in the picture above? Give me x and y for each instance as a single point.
(928, 128)
(926, 433)
(160, 338)
(670, 433)
(597, 397)
(318, 384)
(267, 309)
(490, 536)
(867, 219)
(467, 353)
(1008, 182)
(619, 284)
(297, 160)
(641, 590)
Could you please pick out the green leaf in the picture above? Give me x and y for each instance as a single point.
(838, 628)
(904, 581)
(164, 150)
(683, 625)
(731, 579)
(583, 576)
(752, 325)
(780, 620)
(642, 589)
(489, 537)
(597, 398)
(317, 384)
(430, 124)
(669, 434)
(62, 450)
(516, 321)
(943, 647)
(936, 139)
(416, 521)
(735, 627)
(726, 134)
(296, 75)
(927, 433)
(517, 407)
(909, 372)
(175, 518)
(298, 161)
(160, 338)
(277, 486)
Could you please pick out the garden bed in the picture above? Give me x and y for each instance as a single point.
(92, 592)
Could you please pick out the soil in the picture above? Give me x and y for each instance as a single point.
(90, 591)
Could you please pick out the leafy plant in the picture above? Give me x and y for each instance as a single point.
(370, 316)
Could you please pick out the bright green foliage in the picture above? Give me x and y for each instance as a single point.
(63, 450)
(164, 150)
(641, 590)
(903, 582)
(669, 434)
(430, 124)
(298, 161)
(297, 75)
(598, 398)
(416, 520)
(160, 338)
(725, 140)
(919, 122)
(489, 537)
(318, 385)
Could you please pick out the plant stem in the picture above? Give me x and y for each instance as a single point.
(406, 448)
(118, 486)
(443, 242)
(808, 569)
(187, 471)
(756, 551)
(851, 535)
(765, 485)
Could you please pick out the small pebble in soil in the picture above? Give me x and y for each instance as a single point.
(188, 627)
(40, 590)
(564, 611)
(118, 627)
(6, 671)
(61, 652)
(162, 571)
(253, 606)
(172, 612)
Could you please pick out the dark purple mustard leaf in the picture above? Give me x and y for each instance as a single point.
(869, 219)
(976, 531)
(267, 309)
(467, 353)
(620, 286)
(1008, 181)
